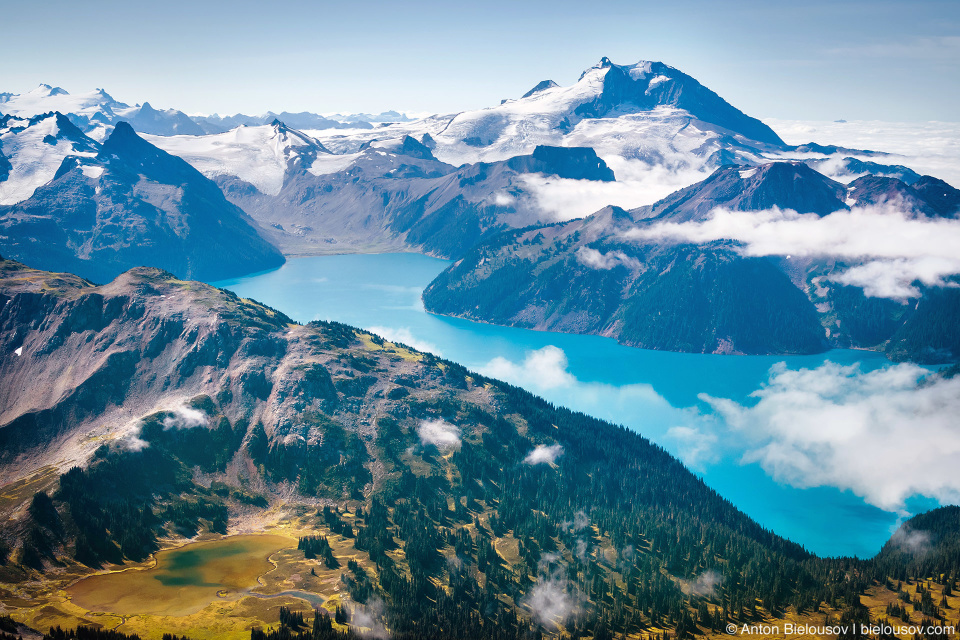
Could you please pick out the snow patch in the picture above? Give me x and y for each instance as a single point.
(92, 172)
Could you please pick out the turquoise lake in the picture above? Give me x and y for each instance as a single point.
(651, 392)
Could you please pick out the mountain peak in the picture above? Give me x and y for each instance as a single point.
(786, 185)
(104, 96)
(647, 85)
(541, 86)
(46, 90)
(124, 142)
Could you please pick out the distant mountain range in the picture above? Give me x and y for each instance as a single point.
(97, 111)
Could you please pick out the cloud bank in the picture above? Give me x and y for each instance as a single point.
(931, 148)
(885, 435)
(894, 249)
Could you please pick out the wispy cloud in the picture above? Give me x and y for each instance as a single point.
(912, 541)
(554, 600)
(598, 260)
(184, 417)
(697, 447)
(405, 336)
(638, 183)
(705, 585)
(929, 48)
(894, 249)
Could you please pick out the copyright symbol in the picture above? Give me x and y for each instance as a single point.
(731, 629)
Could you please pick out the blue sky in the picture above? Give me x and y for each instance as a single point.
(786, 59)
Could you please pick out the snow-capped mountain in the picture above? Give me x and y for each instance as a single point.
(95, 112)
(260, 155)
(648, 112)
(122, 204)
(654, 127)
(32, 149)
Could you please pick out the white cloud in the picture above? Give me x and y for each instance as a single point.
(367, 619)
(598, 260)
(132, 441)
(637, 183)
(405, 336)
(553, 600)
(894, 278)
(580, 522)
(895, 249)
(705, 585)
(912, 541)
(696, 447)
(927, 49)
(184, 417)
(544, 454)
(885, 435)
(440, 433)
(543, 368)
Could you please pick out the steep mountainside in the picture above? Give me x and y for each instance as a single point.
(779, 184)
(592, 276)
(394, 196)
(126, 204)
(471, 505)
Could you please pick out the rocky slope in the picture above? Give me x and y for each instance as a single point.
(127, 203)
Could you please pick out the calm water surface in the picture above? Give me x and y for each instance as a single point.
(647, 391)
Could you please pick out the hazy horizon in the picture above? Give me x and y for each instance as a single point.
(881, 60)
